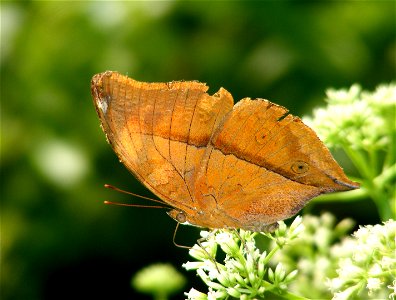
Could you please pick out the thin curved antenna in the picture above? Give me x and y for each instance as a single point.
(133, 205)
(109, 186)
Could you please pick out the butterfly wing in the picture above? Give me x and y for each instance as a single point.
(159, 130)
(262, 165)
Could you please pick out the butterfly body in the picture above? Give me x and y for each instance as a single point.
(219, 165)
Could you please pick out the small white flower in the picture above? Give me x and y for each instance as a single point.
(205, 234)
(362, 253)
(375, 270)
(212, 295)
(384, 95)
(345, 294)
(362, 233)
(224, 237)
(296, 227)
(306, 265)
(322, 263)
(193, 265)
(373, 284)
(335, 284)
(345, 249)
(388, 263)
(198, 253)
(193, 294)
(348, 269)
(343, 95)
(213, 273)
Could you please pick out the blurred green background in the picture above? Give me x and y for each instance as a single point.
(58, 240)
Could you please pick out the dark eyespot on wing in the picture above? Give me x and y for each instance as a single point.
(300, 167)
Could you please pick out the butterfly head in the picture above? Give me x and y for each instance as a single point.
(179, 216)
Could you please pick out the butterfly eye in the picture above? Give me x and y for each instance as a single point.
(300, 167)
(181, 217)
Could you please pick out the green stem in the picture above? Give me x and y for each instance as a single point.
(288, 295)
(386, 182)
(367, 170)
(390, 152)
(269, 287)
(359, 161)
(270, 254)
(388, 174)
(293, 296)
(380, 199)
(354, 195)
(373, 155)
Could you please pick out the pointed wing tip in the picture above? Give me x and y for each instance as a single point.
(347, 186)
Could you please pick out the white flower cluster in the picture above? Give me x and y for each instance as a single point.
(310, 255)
(362, 124)
(356, 118)
(245, 272)
(371, 265)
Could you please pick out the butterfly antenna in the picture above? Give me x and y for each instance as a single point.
(109, 186)
(133, 205)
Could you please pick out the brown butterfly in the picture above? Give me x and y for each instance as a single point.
(219, 165)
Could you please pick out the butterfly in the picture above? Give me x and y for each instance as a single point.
(219, 165)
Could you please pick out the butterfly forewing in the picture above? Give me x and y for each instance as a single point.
(159, 130)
